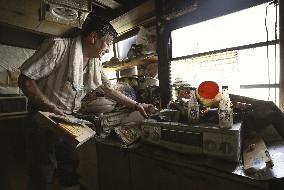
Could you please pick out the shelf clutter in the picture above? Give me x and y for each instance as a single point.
(138, 61)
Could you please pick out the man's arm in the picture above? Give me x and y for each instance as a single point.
(144, 109)
(34, 94)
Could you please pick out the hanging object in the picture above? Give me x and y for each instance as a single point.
(72, 12)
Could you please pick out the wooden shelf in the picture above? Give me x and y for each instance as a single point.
(141, 60)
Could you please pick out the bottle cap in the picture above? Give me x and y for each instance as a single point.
(225, 87)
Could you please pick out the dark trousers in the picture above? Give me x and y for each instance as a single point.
(49, 155)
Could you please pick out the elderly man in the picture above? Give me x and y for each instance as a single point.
(55, 79)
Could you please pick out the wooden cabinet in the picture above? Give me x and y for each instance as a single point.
(130, 169)
(150, 174)
(194, 180)
(13, 132)
(114, 169)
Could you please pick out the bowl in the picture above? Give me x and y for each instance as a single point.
(100, 105)
(148, 81)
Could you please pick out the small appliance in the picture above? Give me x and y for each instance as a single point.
(200, 138)
(10, 105)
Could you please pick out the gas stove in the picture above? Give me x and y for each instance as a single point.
(201, 138)
(105, 120)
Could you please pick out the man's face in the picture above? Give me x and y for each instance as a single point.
(99, 46)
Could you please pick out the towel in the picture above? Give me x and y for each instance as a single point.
(95, 77)
(75, 71)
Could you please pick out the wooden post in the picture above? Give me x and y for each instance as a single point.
(281, 36)
(164, 54)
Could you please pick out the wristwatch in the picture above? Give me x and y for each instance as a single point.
(136, 106)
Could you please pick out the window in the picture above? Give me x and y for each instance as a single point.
(11, 58)
(109, 55)
(240, 50)
(110, 74)
(122, 48)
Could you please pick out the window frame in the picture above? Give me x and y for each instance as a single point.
(274, 42)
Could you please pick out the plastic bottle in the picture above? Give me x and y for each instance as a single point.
(225, 112)
(193, 107)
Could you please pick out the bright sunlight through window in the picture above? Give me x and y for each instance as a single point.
(251, 71)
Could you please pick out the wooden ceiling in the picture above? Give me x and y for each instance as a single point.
(125, 15)
(24, 15)
(114, 8)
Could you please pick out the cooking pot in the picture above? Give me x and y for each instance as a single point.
(148, 81)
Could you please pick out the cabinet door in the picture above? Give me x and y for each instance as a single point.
(195, 180)
(241, 185)
(114, 171)
(169, 176)
(147, 173)
(88, 166)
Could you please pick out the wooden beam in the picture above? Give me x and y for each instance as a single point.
(25, 14)
(209, 9)
(164, 55)
(281, 37)
(135, 17)
(108, 3)
(20, 38)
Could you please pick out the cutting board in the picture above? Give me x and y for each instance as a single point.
(74, 134)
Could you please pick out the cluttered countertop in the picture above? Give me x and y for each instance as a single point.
(178, 136)
(192, 159)
(203, 162)
(126, 146)
(238, 150)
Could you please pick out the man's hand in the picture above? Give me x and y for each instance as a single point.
(55, 110)
(145, 109)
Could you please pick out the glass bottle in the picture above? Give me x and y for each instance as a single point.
(225, 111)
(193, 107)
